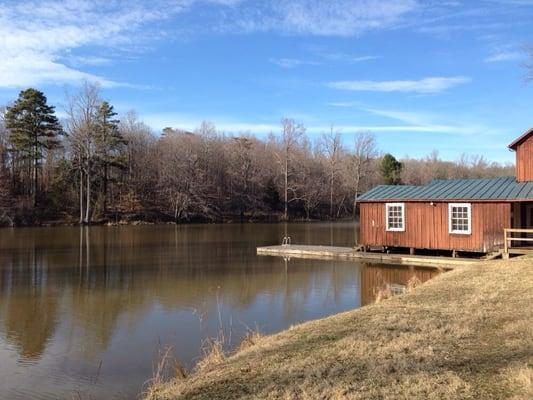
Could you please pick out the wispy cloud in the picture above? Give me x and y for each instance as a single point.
(322, 55)
(423, 122)
(78, 61)
(344, 104)
(37, 36)
(349, 58)
(485, 18)
(161, 120)
(500, 56)
(318, 17)
(291, 62)
(32, 68)
(329, 55)
(428, 85)
(391, 121)
(341, 17)
(513, 2)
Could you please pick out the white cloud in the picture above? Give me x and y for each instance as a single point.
(47, 41)
(424, 86)
(340, 17)
(424, 122)
(322, 56)
(291, 62)
(318, 17)
(88, 60)
(394, 121)
(500, 56)
(28, 68)
(352, 59)
(408, 117)
(37, 36)
(344, 104)
(513, 2)
(421, 122)
(161, 120)
(328, 54)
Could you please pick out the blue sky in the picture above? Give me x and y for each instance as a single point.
(421, 75)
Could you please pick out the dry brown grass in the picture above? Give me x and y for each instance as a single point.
(466, 334)
(167, 368)
(252, 338)
(213, 355)
(413, 282)
(382, 293)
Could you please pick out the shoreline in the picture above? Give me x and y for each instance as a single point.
(463, 334)
(137, 222)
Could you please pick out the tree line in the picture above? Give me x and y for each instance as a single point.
(94, 166)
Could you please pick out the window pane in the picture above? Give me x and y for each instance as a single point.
(394, 217)
(459, 218)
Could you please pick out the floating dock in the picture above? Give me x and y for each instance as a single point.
(347, 253)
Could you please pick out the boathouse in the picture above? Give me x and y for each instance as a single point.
(469, 215)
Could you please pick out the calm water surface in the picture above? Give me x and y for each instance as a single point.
(84, 312)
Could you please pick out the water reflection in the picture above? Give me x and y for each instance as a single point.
(375, 277)
(86, 310)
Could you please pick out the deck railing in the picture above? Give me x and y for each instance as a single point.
(509, 238)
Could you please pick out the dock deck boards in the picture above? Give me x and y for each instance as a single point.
(521, 250)
(347, 253)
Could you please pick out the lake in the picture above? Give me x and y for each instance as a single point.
(86, 312)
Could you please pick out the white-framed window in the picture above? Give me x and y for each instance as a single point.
(460, 218)
(395, 216)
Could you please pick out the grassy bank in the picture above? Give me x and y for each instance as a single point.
(466, 334)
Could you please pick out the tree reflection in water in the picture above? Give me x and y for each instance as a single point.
(72, 299)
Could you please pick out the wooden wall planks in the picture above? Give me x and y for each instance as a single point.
(426, 227)
(524, 161)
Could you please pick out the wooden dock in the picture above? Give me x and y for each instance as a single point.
(347, 253)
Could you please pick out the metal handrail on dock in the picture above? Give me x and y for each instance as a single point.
(509, 238)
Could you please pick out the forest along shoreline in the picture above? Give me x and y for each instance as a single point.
(95, 165)
(464, 334)
(134, 220)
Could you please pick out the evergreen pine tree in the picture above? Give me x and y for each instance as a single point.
(110, 142)
(391, 169)
(33, 128)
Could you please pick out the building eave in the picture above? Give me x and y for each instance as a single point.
(521, 139)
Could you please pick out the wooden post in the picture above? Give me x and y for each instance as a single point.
(454, 253)
(506, 244)
(412, 251)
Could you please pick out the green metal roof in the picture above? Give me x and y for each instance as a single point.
(504, 188)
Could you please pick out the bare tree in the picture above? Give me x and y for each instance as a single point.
(178, 166)
(332, 146)
(142, 164)
(82, 126)
(311, 180)
(359, 164)
(291, 135)
(205, 174)
(243, 173)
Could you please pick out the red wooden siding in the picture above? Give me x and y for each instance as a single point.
(426, 227)
(524, 161)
